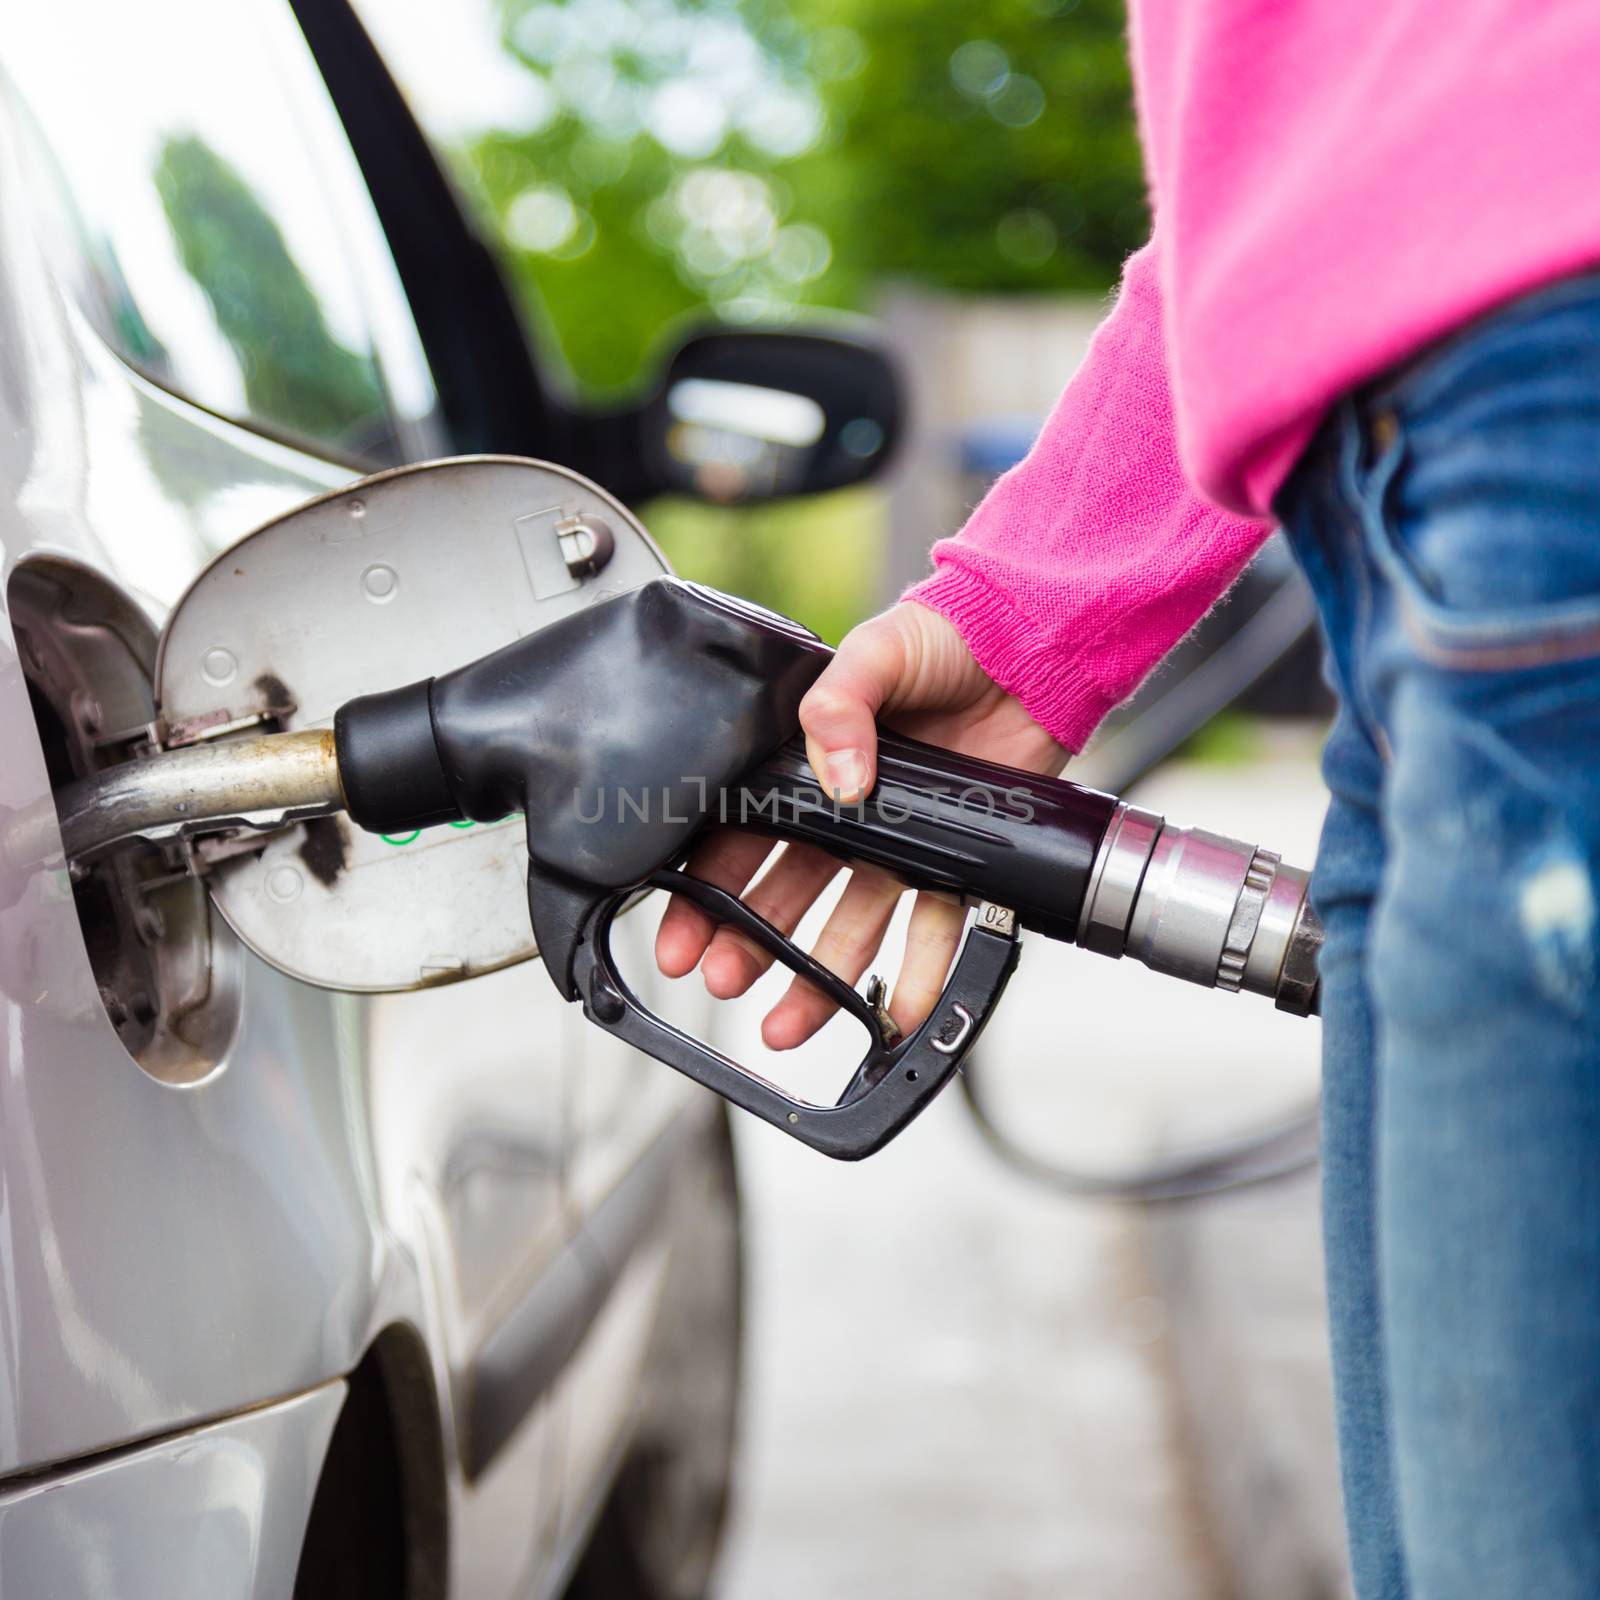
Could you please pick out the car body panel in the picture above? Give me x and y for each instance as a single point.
(230, 1502)
(150, 1241)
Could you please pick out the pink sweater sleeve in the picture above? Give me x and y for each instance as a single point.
(1092, 557)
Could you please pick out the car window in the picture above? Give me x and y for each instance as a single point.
(199, 197)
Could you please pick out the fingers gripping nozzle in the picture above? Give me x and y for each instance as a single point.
(1197, 906)
(621, 732)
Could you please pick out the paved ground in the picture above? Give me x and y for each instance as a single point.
(963, 1385)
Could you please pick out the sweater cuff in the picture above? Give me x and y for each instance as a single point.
(1058, 692)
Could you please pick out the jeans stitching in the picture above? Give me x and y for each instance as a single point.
(1350, 521)
(1523, 636)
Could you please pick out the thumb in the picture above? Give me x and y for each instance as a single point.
(839, 713)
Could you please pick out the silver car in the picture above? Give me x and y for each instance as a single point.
(423, 1293)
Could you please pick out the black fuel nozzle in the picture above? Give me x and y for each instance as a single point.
(614, 731)
(622, 731)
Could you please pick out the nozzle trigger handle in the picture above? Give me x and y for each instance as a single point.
(894, 1081)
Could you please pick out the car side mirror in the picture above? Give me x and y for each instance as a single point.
(747, 414)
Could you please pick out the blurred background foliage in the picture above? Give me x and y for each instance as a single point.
(747, 157)
(646, 163)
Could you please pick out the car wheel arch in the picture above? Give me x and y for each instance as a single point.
(379, 1522)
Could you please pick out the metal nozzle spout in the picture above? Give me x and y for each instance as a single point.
(264, 782)
(1197, 906)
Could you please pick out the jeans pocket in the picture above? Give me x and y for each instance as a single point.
(1484, 515)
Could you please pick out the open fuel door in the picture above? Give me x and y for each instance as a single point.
(392, 579)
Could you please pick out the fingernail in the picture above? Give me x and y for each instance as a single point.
(847, 773)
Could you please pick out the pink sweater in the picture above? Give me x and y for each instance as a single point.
(1335, 185)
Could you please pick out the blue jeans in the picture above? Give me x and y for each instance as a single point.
(1449, 521)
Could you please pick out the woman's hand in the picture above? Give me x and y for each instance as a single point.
(912, 667)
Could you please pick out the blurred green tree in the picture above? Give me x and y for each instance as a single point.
(988, 147)
(649, 189)
(744, 157)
